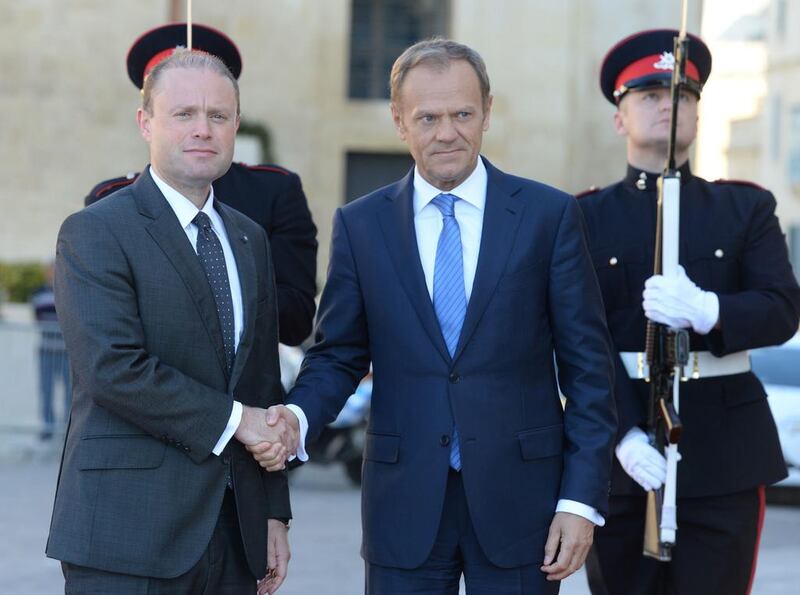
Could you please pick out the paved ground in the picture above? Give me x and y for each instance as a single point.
(325, 535)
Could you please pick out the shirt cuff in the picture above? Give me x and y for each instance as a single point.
(583, 510)
(233, 424)
(302, 455)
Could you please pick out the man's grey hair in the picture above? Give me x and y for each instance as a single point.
(185, 58)
(437, 53)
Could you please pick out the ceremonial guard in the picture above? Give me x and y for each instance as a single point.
(270, 195)
(735, 292)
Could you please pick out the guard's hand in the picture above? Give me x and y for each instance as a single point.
(278, 556)
(567, 545)
(679, 303)
(641, 461)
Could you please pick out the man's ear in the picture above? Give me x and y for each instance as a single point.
(397, 118)
(143, 120)
(487, 113)
(619, 123)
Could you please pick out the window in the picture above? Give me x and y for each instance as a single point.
(775, 127)
(794, 145)
(369, 171)
(780, 19)
(379, 32)
(794, 248)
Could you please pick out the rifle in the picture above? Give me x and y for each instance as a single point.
(667, 348)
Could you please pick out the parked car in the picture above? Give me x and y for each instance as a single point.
(779, 369)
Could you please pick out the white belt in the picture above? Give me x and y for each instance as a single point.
(702, 364)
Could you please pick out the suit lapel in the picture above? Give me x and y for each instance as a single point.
(501, 219)
(245, 265)
(171, 238)
(396, 220)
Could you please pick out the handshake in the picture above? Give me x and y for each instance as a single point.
(270, 435)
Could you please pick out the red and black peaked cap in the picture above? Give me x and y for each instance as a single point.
(646, 59)
(159, 43)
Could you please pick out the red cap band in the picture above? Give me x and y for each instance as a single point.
(162, 55)
(647, 66)
(151, 64)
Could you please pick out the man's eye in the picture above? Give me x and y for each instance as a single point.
(220, 117)
(427, 118)
(463, 115)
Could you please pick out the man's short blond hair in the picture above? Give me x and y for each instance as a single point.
(437, 53)
(184, 58)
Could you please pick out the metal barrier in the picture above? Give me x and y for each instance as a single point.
(35, 389)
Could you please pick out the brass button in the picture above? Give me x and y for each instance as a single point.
(719, 253)
(613, 261)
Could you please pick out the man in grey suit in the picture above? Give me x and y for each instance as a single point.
(168, 309)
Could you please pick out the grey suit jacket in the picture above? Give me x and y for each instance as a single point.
(139, 489)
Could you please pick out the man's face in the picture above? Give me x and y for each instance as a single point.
(643, 117)
(441, 117)
(192, 127)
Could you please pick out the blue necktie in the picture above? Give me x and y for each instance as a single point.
(449, 297)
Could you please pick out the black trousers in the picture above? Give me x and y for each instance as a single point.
(715, 553)
(222, 569)
(456, 551)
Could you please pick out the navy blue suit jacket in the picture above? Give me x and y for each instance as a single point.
(535, 292)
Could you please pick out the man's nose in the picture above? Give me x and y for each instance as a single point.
(446, 130)
(201, 128)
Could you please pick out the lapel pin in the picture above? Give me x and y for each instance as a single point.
(243, 238)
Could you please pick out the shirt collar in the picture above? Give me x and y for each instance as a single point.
(185, 210)
(471, 190)
(645, 180)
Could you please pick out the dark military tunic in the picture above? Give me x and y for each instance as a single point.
(731, 244)
(272, 197)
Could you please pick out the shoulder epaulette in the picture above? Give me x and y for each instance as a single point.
(587, 192)
(740, 183)
(106, 188)
(265, 167)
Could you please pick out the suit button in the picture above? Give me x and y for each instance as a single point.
(455, 378)
(444, 440)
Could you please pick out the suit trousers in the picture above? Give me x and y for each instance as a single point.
(222, 569)
(715, 552)
(456, 551)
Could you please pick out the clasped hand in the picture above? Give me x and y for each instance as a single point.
(270, 435)
(679, 303)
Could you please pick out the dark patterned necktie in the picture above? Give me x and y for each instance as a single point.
(212, 259)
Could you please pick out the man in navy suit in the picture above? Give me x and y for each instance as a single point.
(458, 283)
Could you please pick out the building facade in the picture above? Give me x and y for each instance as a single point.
(315, 75)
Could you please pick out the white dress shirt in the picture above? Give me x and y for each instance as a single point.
(428, 224)
(185, 210)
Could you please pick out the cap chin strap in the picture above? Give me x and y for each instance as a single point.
(655, 81)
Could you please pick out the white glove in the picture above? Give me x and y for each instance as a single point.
(679, 303)
(641, 461)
